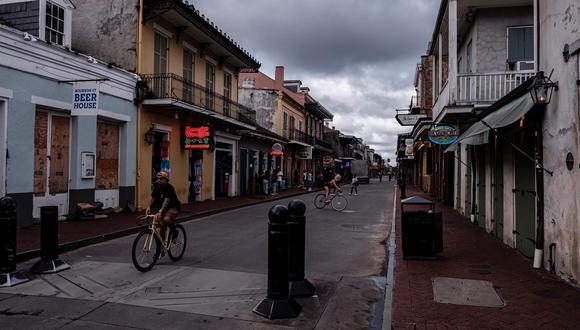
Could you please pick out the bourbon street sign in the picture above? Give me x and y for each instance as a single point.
(408, 119)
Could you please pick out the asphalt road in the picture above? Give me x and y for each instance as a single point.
(221, 277)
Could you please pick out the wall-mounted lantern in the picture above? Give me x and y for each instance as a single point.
(150, 136)
(542, 89)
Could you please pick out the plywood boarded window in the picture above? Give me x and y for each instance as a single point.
(59, 154)
(107, 176)
(40, 152)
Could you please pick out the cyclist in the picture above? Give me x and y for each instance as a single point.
(334, 183)
(165, 202)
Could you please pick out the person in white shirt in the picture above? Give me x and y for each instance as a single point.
(354, 186)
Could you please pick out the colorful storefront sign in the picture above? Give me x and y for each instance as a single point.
(443, 134)
(196, 137)
(277, 149)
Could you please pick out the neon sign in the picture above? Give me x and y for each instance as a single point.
(196, 137)
(443, 134)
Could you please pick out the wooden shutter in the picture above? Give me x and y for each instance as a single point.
(107, 175)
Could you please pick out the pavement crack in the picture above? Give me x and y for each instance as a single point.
(54, 286)
(76, 284)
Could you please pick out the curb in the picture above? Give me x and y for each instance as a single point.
(70, 246)
(390, 282)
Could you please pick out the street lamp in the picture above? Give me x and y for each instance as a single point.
(542, 89)
(150, 136)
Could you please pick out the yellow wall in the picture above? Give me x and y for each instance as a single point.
(178, 158)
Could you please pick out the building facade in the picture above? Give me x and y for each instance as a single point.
(189, 122)
(54, 153)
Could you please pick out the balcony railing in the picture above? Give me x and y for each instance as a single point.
(297, 135)
(172, 86)
(323, 143)
(488, 87)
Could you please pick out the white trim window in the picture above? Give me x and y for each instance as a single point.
(54, 30)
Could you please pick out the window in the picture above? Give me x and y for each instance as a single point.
(285, 124)
(520, 45)
(54, 28)
(227, 92)
(160, 65)
(209, 85)
(188, 68)
(292, 127)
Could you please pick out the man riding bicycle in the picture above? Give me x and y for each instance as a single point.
(165, 203)
(334, 183)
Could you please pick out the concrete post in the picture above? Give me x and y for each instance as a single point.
(299, 286)
(278, 304)
(8, 274)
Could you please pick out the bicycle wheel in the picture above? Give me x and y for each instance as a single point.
(339, 202)
(177, 244)
(145, 252)
(319, 201)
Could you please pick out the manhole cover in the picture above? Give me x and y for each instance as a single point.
(460, 291)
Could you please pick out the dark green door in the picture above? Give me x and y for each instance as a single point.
(468, 182)
(525, 193)
(498, 191)
(481, 186)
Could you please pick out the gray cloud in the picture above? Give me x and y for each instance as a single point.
(357, 56)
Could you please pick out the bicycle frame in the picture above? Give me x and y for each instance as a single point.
(154, 227)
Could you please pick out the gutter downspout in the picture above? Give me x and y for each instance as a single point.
(139, 104)
(473, 184)
(539, 249)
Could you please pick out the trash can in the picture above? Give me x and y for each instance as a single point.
(422, 231)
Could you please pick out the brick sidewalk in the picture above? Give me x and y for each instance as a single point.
(535, 298)
(28, 239)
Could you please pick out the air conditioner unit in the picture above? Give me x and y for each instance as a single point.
(524, 65)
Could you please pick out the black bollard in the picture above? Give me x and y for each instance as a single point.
(299, 286)
(49, 261)
(278, 304)
(8, 220)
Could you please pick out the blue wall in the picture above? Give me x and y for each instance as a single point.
(20, 135)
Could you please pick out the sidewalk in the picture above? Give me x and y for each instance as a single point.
(534, 298)
(75, 234)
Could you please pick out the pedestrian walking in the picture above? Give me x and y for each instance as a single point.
(309, 178)
(390, 175)
(279, 177)
(354, 186)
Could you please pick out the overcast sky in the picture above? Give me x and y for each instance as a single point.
(357, 56)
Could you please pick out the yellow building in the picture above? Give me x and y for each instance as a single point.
(188, 94)
(189, 86)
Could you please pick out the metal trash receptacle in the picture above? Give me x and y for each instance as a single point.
(422, 231)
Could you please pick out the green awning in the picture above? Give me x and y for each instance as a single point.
(508, 114)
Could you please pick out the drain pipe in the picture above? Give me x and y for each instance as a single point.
(539, 250)
(473, 185)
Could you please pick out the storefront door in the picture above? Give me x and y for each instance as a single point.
(224, 169)
(51, 161)
(525, 193)
(3, 119)
(481, 186)
(160, 155)
(107, 169)
(195, 175)
(498, 191)
(244, 172)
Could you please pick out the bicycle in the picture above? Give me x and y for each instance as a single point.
(337, 201)
(145, 253)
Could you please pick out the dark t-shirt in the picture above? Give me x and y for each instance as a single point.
(159, 194)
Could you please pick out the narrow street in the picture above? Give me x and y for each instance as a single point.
(221, 277)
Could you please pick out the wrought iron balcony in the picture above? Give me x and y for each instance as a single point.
(172, 86)
(323, 144)
(298, 136)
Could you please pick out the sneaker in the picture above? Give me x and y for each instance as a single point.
(350, 194)
(356, 194)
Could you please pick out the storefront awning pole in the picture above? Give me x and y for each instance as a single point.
(497, 133)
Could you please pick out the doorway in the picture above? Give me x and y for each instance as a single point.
(481, 186)
(498, 190)
(223, 170)
(195, 175)
(243, 172)
(51, 161)
(525, 193)
(3, 126)
(107, 167)
(160, 156)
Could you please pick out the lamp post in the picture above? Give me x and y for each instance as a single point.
(542, 89)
